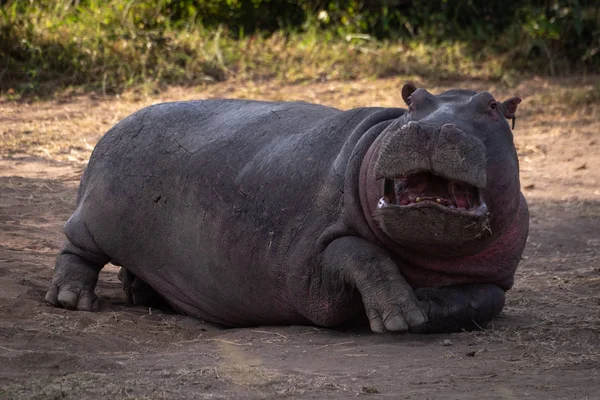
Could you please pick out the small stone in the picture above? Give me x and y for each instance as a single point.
(447, 342)
(529, 187)
(370, 389)
(471, 353)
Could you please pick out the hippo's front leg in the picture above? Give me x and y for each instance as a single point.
(351, 264)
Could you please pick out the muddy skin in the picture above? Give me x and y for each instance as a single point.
(248, 213)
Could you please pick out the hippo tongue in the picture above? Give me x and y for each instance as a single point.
(461, 194)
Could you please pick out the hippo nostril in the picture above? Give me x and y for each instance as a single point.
(448, 128)
(413, 125)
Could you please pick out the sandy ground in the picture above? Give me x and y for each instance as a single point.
(545, 344)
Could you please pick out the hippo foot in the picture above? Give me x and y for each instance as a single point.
(72, 297)
(75, 277)
(352, 266)
(392, 307)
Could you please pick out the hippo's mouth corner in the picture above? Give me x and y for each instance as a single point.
(424, 189)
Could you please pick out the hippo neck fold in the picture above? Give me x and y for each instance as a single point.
(370, 192)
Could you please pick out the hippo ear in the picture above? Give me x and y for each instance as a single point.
(407, 90)
(509, 108)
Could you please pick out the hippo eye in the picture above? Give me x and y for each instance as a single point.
(409, 100)
(493, 104)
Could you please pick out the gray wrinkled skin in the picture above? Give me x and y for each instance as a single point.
(246, 213)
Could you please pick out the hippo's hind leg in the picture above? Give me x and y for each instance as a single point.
(138, 292)
(76, 270)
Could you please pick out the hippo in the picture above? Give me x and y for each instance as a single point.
(245, 213)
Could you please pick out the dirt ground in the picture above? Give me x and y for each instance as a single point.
(545, 344)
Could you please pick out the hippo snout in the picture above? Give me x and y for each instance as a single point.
(456, 155)
(447, 152)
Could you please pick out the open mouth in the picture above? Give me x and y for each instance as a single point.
(426, 189)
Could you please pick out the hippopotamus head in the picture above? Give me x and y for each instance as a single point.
(447, 172)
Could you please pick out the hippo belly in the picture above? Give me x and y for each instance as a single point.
(215, 213)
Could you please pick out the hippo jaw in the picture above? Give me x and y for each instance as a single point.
(427, 221)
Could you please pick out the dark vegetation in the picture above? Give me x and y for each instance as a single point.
(114, 45)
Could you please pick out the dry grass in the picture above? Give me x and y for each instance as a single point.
(67, 129)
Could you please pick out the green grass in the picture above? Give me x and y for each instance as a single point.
(114, 45)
